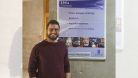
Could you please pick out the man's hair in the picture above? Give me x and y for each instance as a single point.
(52, 22)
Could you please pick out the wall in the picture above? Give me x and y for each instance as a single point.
(33, 23)
(127, 59)
(95, 69)
(10, 24)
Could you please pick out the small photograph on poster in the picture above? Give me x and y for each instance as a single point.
(85, 41)
(100, 42)
(75, 41)
(118, 24)
(60, 39)
(92, 42)
(68, 41)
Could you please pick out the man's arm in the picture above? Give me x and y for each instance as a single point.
(66, 65)
(33, 63)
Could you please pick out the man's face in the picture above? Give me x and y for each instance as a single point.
(53, 31)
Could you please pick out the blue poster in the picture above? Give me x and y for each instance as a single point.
(82, 28)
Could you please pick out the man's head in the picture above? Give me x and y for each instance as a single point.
(53, 30)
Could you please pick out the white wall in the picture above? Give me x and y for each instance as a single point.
(127, 59)
(10, 22)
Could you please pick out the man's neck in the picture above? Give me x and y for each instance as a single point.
(51, 41)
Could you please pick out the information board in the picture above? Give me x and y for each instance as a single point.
(83, 28)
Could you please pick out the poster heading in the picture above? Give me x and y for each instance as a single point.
(94, 4)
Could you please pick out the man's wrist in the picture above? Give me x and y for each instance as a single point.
(68, 75)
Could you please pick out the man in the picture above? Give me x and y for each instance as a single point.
(50, 57)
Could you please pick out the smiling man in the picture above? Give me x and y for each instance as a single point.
(50, 57)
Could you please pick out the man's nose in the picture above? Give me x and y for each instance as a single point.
(53, 31)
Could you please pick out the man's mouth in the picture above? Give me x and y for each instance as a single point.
(53, 34)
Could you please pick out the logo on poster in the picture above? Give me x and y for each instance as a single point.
(98, 53)
(64, 2)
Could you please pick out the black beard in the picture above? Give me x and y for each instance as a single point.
(52, 38)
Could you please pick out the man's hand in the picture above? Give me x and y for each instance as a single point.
(67, 75)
